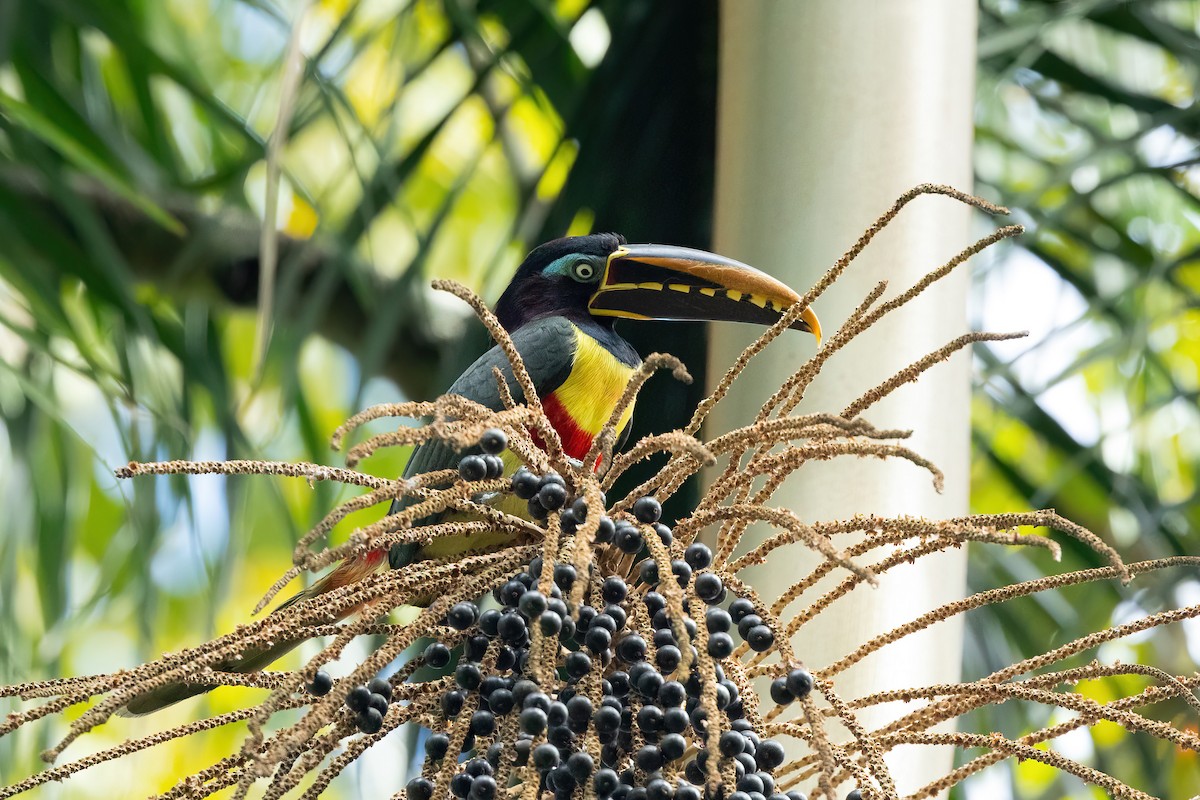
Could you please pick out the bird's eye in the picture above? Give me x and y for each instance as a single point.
(583, 271)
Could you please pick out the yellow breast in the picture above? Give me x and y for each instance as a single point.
(595, 385)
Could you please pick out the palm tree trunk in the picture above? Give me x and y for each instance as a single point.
(828, 110)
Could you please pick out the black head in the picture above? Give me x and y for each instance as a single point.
(600, 278)
(557, 278)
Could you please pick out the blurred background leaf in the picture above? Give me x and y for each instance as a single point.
(445, 138)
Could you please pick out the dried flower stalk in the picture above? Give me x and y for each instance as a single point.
(303, 757)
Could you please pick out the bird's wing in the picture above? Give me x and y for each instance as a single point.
(547, 347)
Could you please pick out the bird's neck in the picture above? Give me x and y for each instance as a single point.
(584, 403)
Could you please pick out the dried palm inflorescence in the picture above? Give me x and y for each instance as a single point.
(608, 663)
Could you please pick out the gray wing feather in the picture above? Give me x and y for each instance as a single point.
(547, 347)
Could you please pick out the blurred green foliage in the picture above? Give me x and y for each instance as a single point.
(445, 137)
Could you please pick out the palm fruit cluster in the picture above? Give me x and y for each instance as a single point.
(617, 709)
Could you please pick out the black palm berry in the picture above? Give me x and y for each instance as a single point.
(380, 687)
(472, 468)
(740, 608)
(483, 723)
(583, 618)
(510, 593)
(545, 757)
(378, 702)
(567, 633)
(760, 638)
(720, 645)
(649, 758)
(607, 621)
(488, 621)
(655, 603)
(564, 576)
(452, 703)
(614, 590)
(475, 648)
(779, 692)
(357, 698)
(532, 721)
(649, 683)
(668, 658)
(605, 531)
(794, 795)
(562, 780)
(659, 789)
(698, 555)
(616, 614)
(460, 785)
(673, 746)
(699, 719)
(650, 718)
(682, 572)
(769, 754)
(664, 534)
(731, 743)
(605, 782)
(675, 720)
(598, 639)
(723, 696)
(493, 441)
(552, 496)
(568, 521)
(672, 694)
(521, 750)
(495, 466)
(578, 664)
(537, 699)
(579, 707)
(419, 789)
(647, 509)
(750, 783)
(321, 684)
(370, 721)
(550, 623)
(552, 477)
(581, 766)
(717, 620)
(557, 715)
(708, 586)
(631, 648)
(695, 774)
(468, 676)
(462, 616)
(477, 766)
(532, 604)
(536, 509)
(619, 682)
(606, 719)
(501, 702)
(628, 539)
(648, 572)
(799, 683)
(511, 627)
(524, 483)
(436, 746)
(854, 795)
(747, 623)
(483, 788)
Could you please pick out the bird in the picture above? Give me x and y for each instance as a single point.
(560, 310)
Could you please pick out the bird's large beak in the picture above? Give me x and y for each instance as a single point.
(654, 281)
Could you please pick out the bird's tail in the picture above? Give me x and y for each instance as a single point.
(253, 660)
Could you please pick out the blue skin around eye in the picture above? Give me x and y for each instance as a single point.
(562, 266)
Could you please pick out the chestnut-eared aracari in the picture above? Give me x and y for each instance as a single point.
(559, 309)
